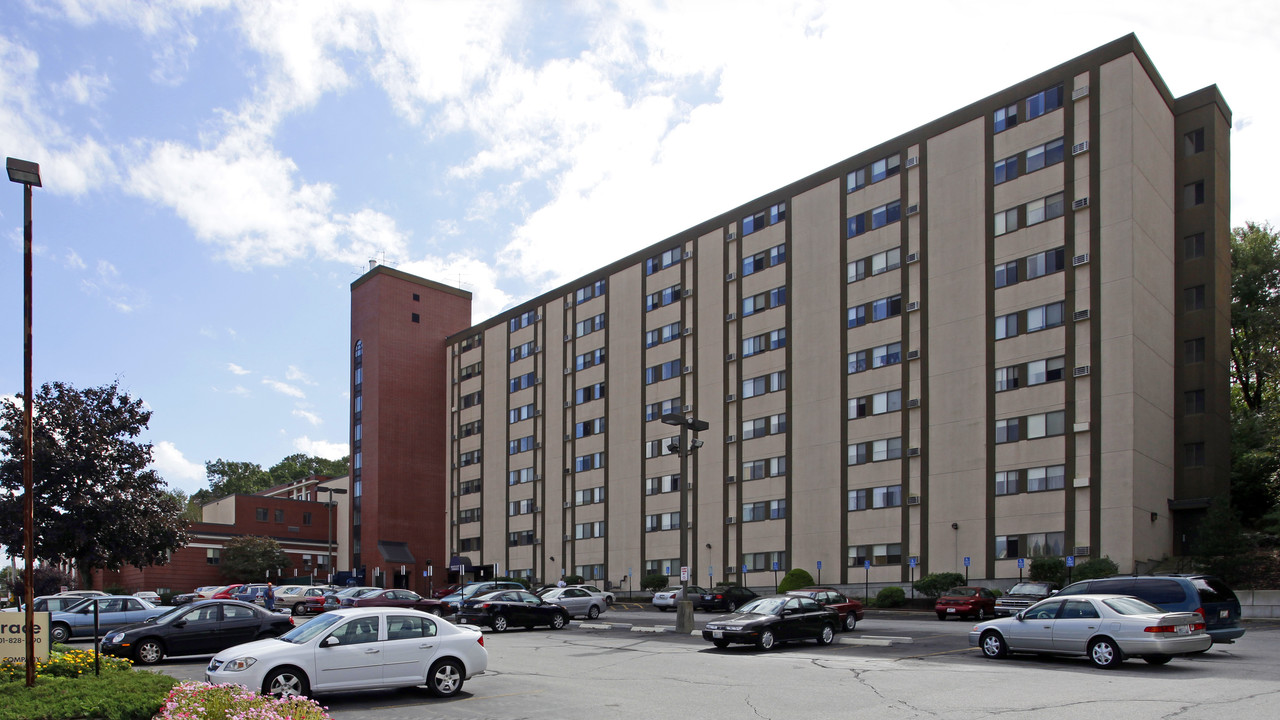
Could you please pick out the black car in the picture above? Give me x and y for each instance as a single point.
(766, 621)
(728, 598)
(511, 608)
(200, 628)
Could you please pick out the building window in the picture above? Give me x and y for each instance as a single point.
(1044, 209)
(1007, 482)
(886, 355)
(212, 556)
(856, 225)
(414, 317)
(1044, 316)
(663, 371)
(885, 168)
(877, 404)
(1042, 156)
(1006, 378)
(588, 496)
(519, 445)
(663, 261)
(470, 487)
(1007, 326)
(764, 301)
(885, 214)
(1193, 246)
(468, 515)
(306, 518)
(760, 427)
(856, 317)
(1005, 118)
(584, 294)
(1006, 221)
(1044, 101)
(664, 334)
(1193, 142)
(662, 521)
(764, 343)
(655, 411)
(1007, 430)
(1193, 298)
(590, 325)
(518, 352)
(520, 507)
(1193, 194)
(759, 562)
(522, 320)
(260, 514)
(515, 415)
(874, 451)
(519, 477)
(279, 516)
(773, 256)
(590, 461)
(662, 484)
(773, 382)
(1005, 170)
(1030, 545)
(521, 382)
(1193, 454)
(662, 298)
(1193, 351)
(587, 428)
(1048, 424)
(518, 538)
(1006, 274)
(1046, 263)
(1193, 402)
(1043, 371)
(1052, 477)
(759, 469)
(588, 393)
(855, 180)
(885, 308)
(471, 399)
(586, 531)
(879, 555)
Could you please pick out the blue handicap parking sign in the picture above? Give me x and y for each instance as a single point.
(1022, 563)
(1071, 561)
(966, 561)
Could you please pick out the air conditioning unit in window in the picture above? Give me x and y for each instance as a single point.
(913, 257)
(730, 317)
(537, 541)
(567, 504)
(731, 438)
(688, 369)
(912, 452)
(455, 381)
(537, 446)
(537, 381)
(567, 536)
(913, 499)
(731, 478)
(913, 305)
(730, 357)
(568, 403)
(688, 331)
(730, 520)
(1080, 147)
(567, 437)
(568, 303)
(455, 522)
(1081, 315)
(730, 398)
(688, 408)
(1080, 259)
(455, 466)
(537, 508)
(455, 493)
(729, 277)
(537, 478)
(912, 210)
(913, 354)
(567, 338)
(537, 412)
(1080, 204)
(568, 370)
(733, 235)
(1082, 550)
(913, 403)
(1080, 427)
(1080, 92)
(913, 161)
(455, 436)
(1080, 371)
(688, 254)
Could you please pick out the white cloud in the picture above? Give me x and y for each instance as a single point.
(176, 469)
(236, 369)
(468, 273)
(293, 373)
(284, 388)
(310, 417)
(321, 448)
(105, 283)
(84, 88)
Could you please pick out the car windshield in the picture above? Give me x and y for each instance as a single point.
(962, 592)
(307, 631)
(1131, 606)
(77, 605)
(1026, 588)
(763, 606)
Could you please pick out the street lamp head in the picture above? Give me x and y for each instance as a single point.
(673, 419)
(334, 490)
(673, 446)
(695, 444)
(23, 172)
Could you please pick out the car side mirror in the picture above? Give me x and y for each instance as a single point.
(330, 641)
(180, 624)
(1021, 616)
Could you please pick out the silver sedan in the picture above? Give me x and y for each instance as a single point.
(1106, 628)
(577, 601)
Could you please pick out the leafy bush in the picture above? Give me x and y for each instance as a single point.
(115, 590)
(522, 581)
(934, 584)
(892, 596)
(653, 582)
(574, 580)
(1095, 568)
(1049, 569)
(66, 687)
(795, 578)
(201, 701)
(68, 664)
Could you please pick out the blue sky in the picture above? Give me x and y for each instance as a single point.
(217, 172)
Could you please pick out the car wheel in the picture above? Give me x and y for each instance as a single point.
(982, 614)
(850, 622)
(766, 641)
(149, 652)
(942, 617)
(1105, 653)
(499, 623)
(993, 645)
(285, 682)
(593, 612)
(731, 605)
(437, 611)
(828, 635)
(608, 601)
(722, 644)
(559, 621)
(1157, 659)
(445, 678)
(59, 633)
(299, 608)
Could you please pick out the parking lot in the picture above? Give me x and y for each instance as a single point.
(894, 664)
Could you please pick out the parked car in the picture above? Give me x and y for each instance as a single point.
(84, 593)
(357, 649)
(728, 598)
(149, 596)
(398, 597)
(206, 626)
(1204, 594)
(50, 603)
(297, 601)
(766, 621)
(577, 601)
(254, 593)
(227, 592)
(446, 590)
(335, 599)
(974, 602)
(184, 598)
(1106, 628)
(594, 590)
(667, 598)
(850, 610)
(511, 608)
(113, 612)
(1024, 595)
(476, 589)
(206, 591)
(282, 590)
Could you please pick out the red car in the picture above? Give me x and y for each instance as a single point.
(850, 610)
(227, 592)
(446, 590)
(975, 602)
(401, 599)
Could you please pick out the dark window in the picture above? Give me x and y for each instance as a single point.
(1193, 142)
(415, 317)
(1193, 298)
(261, 514)
(1193, 454)
(306, 518)
(1193, 246)
(279, 516)
(1193, 350)
(416, 297)
(1193, 194)
(1194, 402)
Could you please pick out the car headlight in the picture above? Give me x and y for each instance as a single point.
(239, 664)
(116, 638)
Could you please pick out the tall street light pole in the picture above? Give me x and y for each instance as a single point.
(684, 609)
(329, 521)
(27, 174)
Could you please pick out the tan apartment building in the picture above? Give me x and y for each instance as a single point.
(998, 336)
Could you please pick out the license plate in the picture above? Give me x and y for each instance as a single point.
(717, 634)
(1224, 613)
(951, 610)
(1183, 630)
(462, 621)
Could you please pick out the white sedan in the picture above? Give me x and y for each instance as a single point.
(357, 649)
(608, 596)
(577, 601)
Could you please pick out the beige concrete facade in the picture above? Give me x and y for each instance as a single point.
(852, 341)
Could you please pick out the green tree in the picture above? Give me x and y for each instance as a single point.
(934, 584)
(97, 504)
(1048, 569)
(230, 477)
(1221, 547)
(1255, 370)
(299, 465)
(653, 582)
(1095, 568)
(795, 578)
(249, 558)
